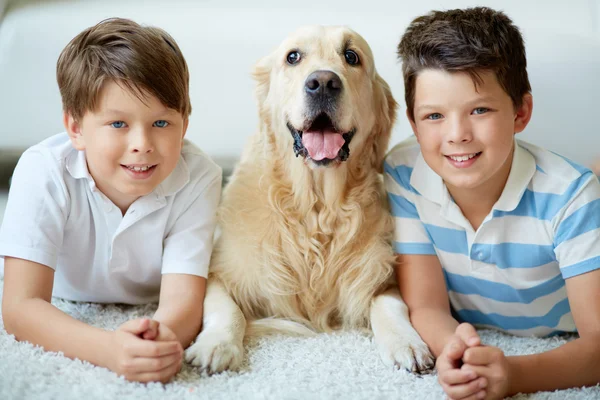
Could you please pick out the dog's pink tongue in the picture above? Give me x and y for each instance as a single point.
(322, 144)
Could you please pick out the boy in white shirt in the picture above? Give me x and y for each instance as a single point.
(119, 209)
(490, 230)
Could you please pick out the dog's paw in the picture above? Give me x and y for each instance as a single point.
(215, 352)
(407, 352)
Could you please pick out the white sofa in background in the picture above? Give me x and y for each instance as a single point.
(222, 39)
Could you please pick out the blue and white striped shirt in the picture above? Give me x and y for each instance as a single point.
(510, 273)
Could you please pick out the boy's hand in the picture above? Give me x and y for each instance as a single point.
(491, 363)
(457, 382)
(152, 331)
(143, 360)
(159, 332)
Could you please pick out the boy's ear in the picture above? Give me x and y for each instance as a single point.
(523, 114)
(74, 130)
(186, 122)
(412, 124)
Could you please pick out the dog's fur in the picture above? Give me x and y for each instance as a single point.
(303, 241)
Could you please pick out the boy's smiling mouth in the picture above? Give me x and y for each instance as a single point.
(463, 160)
(139, 168)
(139, 171)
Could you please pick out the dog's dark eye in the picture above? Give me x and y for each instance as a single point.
(293, 57)
(351, 57)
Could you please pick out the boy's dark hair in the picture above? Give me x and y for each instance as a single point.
(469, 40)
(146, 60)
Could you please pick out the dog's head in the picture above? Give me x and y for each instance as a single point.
(322, 98)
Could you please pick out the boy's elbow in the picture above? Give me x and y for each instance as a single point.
(9, 317)
(10, 330)
(12, 315)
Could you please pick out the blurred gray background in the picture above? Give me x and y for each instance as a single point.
(223, 39)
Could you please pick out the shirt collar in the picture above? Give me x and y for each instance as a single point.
(76, 165)
(178, 178)
(431, 186)
(521, 171)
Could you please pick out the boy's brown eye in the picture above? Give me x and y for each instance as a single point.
(293, 57)
(351, 57)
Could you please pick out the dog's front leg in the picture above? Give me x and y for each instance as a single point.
(219, 346)
(399, 343)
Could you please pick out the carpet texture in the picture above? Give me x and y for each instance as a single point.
(337, 366)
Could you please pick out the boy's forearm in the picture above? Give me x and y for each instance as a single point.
(573, 364)
(435, 327)
(40, 323)
(185, 320)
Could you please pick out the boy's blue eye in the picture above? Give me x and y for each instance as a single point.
(161, 123)
(480, 110)
(118, 124)
(434, 116)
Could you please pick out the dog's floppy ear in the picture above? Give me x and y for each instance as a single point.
(385, 107)
(261, 74)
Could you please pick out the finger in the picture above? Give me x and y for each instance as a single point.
(164, 375)
(451, 357)
(464, 390)
(152, 332)
(468, 334)
(165, 333)
(456, 376)
(150, 348)
(481, 355)
(154, 364)
(148, 335)
(482, 371)
(455, 348)
(136, 326)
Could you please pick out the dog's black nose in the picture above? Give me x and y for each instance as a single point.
(321, 83)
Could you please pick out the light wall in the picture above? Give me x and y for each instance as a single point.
(223, 39)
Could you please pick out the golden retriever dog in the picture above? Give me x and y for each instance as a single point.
(305, 241)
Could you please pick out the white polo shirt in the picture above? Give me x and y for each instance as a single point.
(510, 273)
(57, 217)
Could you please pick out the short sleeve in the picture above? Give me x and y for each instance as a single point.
(188, 245)
(577, 232)
(36, 211)
(410, 236)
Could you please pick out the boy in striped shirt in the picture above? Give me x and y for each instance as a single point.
(503, 233)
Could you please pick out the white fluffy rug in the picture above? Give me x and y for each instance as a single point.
(339, 366)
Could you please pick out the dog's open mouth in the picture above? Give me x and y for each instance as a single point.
(321, 142)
